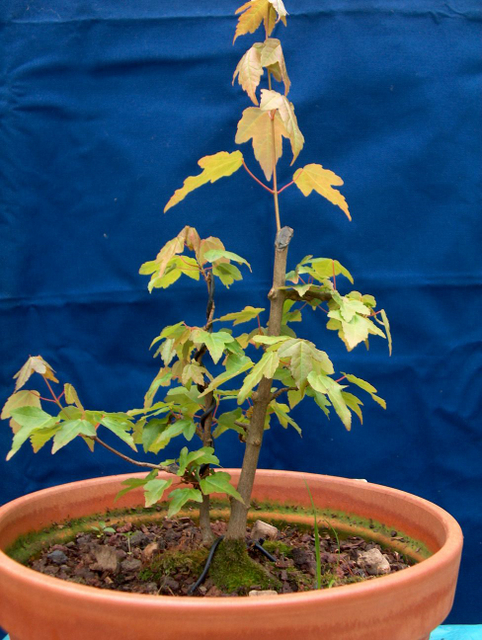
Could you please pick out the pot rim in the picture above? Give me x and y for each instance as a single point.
(12, 569)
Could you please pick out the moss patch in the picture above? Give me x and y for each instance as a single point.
(233, 571)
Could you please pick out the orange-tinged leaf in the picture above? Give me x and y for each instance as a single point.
(35, 364)
(256, 125)
(314, 177)
(165, 255)
(253, 13)
(272, 57)
(210, 244)
(20, 399)
(249, 71)
(271, 100)
(217, 166)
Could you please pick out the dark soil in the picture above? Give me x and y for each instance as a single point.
(167, 558)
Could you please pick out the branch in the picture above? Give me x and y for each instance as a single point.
(147, 465)
(292, 294)
(279, 392)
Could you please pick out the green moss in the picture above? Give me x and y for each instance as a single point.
(174, 562)
(276, 545)
(233, 571)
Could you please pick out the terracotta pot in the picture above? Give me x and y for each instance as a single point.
(406, 605)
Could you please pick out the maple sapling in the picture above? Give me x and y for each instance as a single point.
(267, 370)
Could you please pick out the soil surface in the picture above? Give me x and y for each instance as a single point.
(167, 558)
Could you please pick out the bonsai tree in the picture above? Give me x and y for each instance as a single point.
(215, 377)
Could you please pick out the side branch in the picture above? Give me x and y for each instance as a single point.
(146, 465)
(280, 392)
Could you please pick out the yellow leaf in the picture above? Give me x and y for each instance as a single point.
(217, 166)
(256, 125)
(71, 396)
(249, 71)
(273, 100)
(313, 176)
(272, 57)
(35, 364)
(253, 13)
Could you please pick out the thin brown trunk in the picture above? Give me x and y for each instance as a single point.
(239, 511)
(207, 440)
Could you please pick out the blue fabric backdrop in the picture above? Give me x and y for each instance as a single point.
(106, 107)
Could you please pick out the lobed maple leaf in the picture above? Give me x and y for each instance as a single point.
(266, 135)
(271, 100)
(268, 54)
(314, 177)
(254, 12)
(217, 166)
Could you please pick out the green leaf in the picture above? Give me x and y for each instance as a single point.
(190, 459)
(256, 125)
(218, 482)
(18, 400)
(366, 386)
(167, 351)
(227, 273)
(134, 483)
(154, 490)
(120, 425)
(216, 254)
(324, 384)
(235, 365)
(303, 356)
(165, 433)
(32, 416)
(281, 412)
(30, 419)
(386, 324)
(41, 436)
(353, 403)
(215, 342)
(69, 430)
(266, 368)
(214, 167)
(226, 422)
(269, 340)
(271, 100)
(323, 268)
(193, 371)
(355, 331)
(179, 497)
(247, 314)
(314, 177)
(288, 314)
(71, 396)
(151, 430)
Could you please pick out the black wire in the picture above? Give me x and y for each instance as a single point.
(264, 552)
(203, 575)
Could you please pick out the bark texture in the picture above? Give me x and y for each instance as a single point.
(262, 397)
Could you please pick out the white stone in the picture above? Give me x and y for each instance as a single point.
(267, 592)
(263, 530)
(373, 562)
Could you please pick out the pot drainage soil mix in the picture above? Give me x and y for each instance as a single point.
(167, 558)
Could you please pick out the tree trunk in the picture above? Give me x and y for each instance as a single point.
(239, 511)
